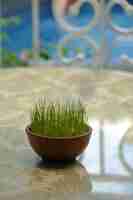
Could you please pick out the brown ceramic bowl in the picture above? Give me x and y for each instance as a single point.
(58, 148)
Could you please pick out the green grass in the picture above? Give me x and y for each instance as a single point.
(58, 120)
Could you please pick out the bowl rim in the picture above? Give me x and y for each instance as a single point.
(87, 133)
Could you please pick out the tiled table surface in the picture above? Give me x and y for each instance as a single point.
(104, 171)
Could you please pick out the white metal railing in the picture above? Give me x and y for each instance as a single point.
(102, 12)
(102, 16)
(35, 30)
(102, 51)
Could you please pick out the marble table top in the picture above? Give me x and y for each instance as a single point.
(103, 171)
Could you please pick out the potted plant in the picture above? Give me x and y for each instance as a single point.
(58, 131)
